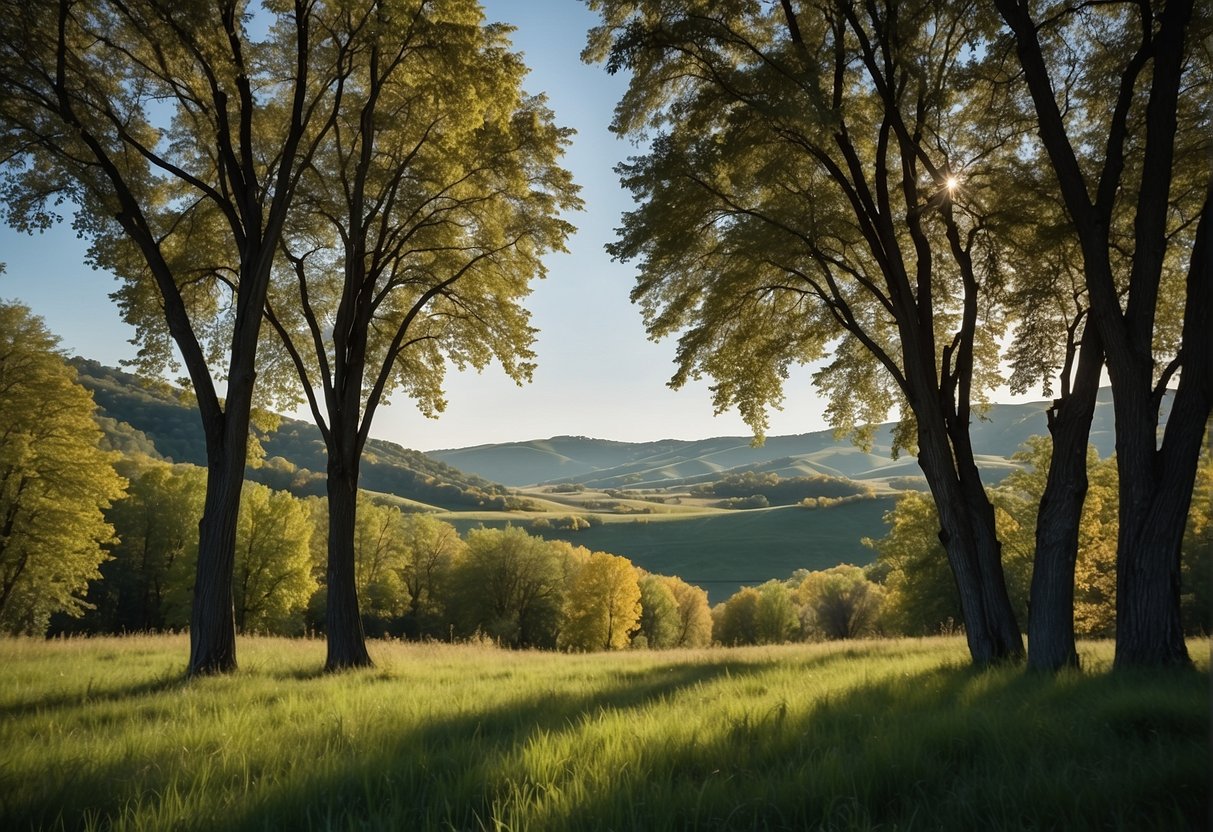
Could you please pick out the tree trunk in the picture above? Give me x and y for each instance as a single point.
(1149, 632)
(1051, 606)
(343, 623)
(985, 631)
(1152, 517)
(212, 617)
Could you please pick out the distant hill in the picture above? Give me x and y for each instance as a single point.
(152, 418)
(599, 463)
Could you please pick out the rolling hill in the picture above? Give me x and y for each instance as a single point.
(153, 418)
(598, 463)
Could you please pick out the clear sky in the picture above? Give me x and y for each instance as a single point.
(598, 374)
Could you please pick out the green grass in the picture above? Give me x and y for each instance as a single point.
(104, 734)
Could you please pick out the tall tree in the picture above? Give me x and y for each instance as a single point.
(1127, 139)
(1056, 347)
(820, 177)
(426, 215)
(694, 614)
(181, 138)
(55, 481)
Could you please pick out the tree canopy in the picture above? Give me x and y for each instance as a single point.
(55, 481)
(818, 178)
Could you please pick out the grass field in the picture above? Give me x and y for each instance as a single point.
(105, 734)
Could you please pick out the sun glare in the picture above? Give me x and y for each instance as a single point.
(952, 183)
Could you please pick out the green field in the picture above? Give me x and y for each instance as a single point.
(723, 551)
(105, 734)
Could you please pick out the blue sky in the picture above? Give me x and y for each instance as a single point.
(597, 375)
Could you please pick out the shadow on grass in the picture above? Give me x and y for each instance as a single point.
(122, 692)
(950, 748)
(947, 749)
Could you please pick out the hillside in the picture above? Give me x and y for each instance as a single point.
(599, 463)
(723, 551)
(153, 418)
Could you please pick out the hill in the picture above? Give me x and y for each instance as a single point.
(156, 419)
(598, 463)
(723, 551)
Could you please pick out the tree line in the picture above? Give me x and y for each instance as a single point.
(892, 186)
(97, 543)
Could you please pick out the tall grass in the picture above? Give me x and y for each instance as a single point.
(105, 734)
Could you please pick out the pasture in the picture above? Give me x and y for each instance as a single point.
(105, 733)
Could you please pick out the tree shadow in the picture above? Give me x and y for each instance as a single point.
(133, 689)
(948, 748)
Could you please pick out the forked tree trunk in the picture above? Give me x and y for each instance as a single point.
(1149, 632)
(990, 627)
(1051, 644)
(343, 624)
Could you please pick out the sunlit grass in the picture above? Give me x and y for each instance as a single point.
(105, 734)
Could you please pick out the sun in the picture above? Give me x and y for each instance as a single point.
(951, 183)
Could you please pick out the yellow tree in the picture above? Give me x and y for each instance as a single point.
(273, 575)
(603, 606)
(735, 622)
(694, 613)
(54, 479)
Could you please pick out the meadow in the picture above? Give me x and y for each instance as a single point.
(104, 733)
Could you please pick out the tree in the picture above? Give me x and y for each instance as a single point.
(839, 602)
(735, 622)
(694, 614)
(602, 609)
(180, 139)
(425, 217)
(1054, 346)
(659, 621)
(775, 620)
(273, 574)
(1130, 157)
(55, 481)
(381, 553)
(432, 547)
(819, 179)
(510, 586)
(921, 594)
(156, 530)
